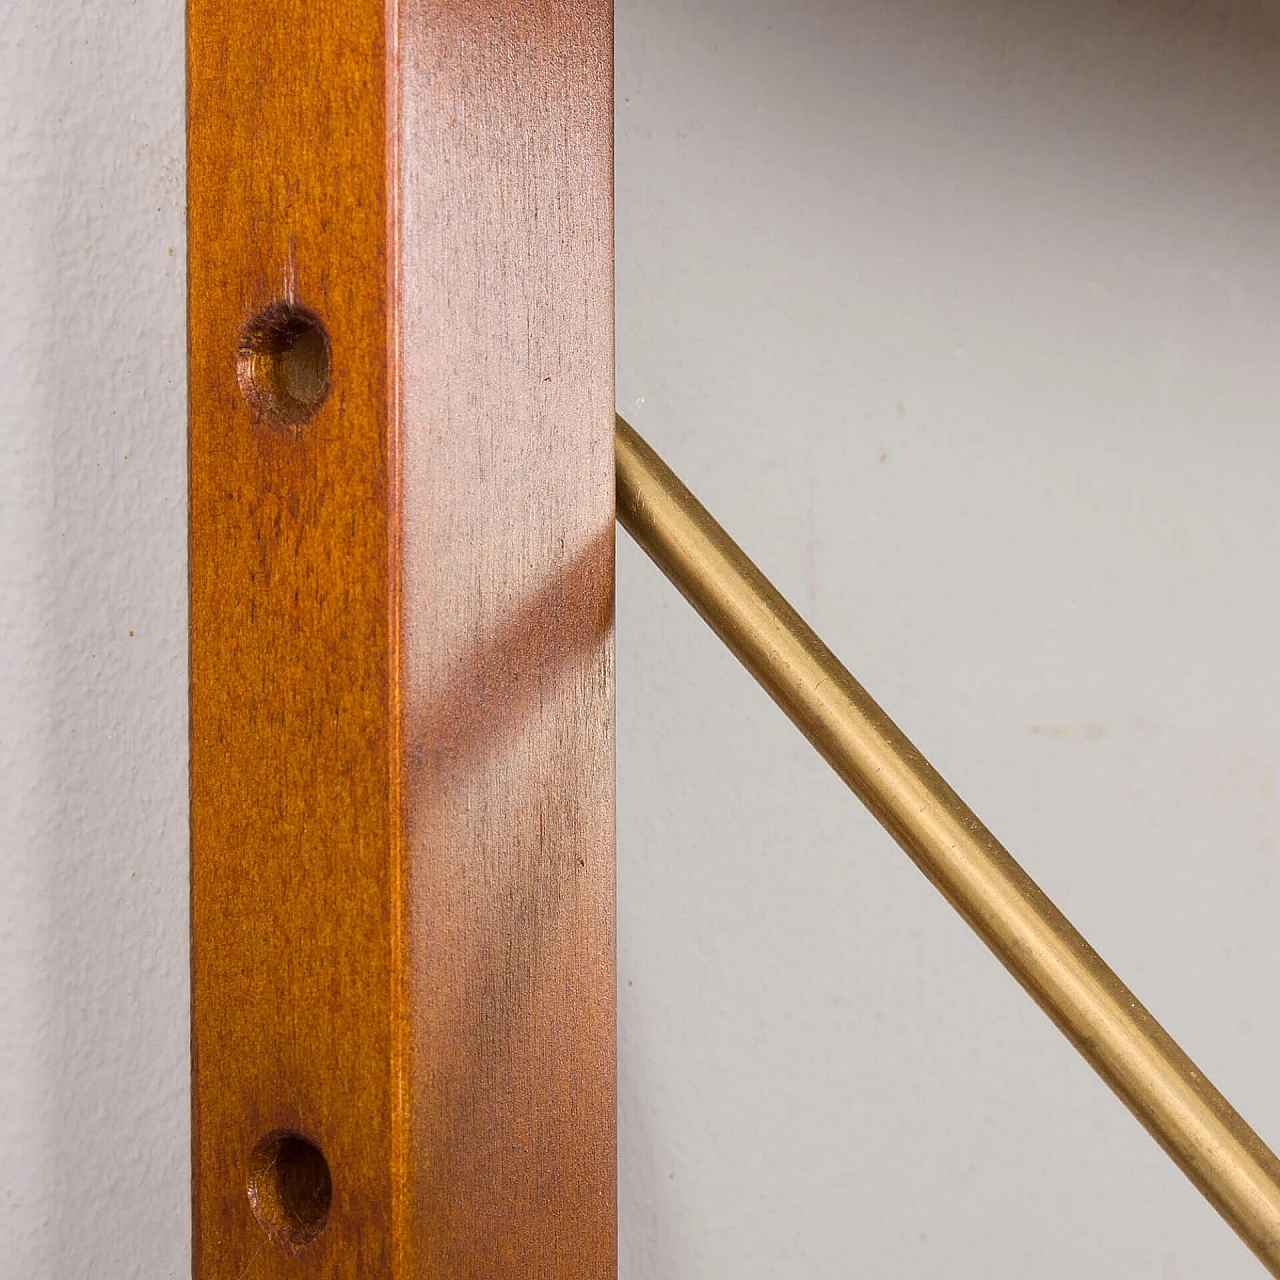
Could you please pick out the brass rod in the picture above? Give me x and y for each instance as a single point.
(1185, 1114)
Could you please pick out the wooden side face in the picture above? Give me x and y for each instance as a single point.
(401, 433)
(292, 813)
(505, 263)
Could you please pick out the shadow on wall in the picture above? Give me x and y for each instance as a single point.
(940, 160)
(1171, 98)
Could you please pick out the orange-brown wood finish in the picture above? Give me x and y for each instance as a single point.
(401, 641)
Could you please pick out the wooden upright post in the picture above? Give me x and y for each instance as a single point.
(401, 543)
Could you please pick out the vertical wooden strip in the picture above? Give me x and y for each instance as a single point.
(401, 595)
(505, 275)
(291, 667)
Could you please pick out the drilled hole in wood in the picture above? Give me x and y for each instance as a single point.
(290, 1189)
(283, 363)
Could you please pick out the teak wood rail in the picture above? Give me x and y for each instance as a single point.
(401, 566)
(1123, 1043)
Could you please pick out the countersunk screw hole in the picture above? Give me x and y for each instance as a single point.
(290, 1189)
(282, 364)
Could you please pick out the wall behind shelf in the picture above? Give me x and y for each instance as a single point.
(93, 804)
(965, 319)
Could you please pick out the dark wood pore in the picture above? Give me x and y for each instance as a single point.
(401, 638)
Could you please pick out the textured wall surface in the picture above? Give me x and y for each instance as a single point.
(964, 318)
(93, 839)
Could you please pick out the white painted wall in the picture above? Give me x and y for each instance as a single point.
(93, 805)
(964, 318)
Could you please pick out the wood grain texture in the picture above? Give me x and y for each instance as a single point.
(506, 355)
(401, 636)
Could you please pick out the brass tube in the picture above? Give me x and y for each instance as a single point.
(1185, 1114)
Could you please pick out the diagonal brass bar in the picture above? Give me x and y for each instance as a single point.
(1185, 1114)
